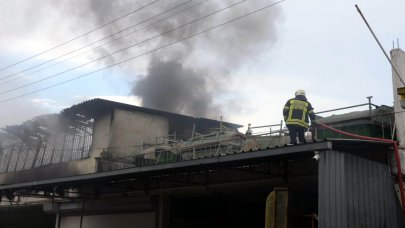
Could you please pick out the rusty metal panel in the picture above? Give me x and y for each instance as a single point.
(356, 190)
(277, 208)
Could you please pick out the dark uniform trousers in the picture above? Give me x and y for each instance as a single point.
(295, 131)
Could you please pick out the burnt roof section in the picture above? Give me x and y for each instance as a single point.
(93, 108)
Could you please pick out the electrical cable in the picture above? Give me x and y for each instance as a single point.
(82, 35)
(109, 42)
(381, 47)
(87, 45)
(123, 49)
(145, 53)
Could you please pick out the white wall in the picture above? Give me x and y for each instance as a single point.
(131, 129)
(398, 60)
(101, 135)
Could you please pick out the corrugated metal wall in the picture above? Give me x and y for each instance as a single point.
(355, 191)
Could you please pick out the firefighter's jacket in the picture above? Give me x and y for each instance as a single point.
(297, 110)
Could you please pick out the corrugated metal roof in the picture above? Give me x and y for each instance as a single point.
(293, 151)
(298, 151)
(355, 186)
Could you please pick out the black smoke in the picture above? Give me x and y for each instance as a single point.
(189, 77)
(170, 87)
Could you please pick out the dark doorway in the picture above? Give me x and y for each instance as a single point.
(222, 211)
(26, 217)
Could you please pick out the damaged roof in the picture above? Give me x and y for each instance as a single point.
(95, 107)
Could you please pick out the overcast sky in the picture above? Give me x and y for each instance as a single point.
(244, 71)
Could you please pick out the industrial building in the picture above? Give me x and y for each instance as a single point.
(107, 164)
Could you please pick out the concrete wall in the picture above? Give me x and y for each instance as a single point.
(130, 129)
(101, 135)
(398, 60)
(65, 169)
(128, 220)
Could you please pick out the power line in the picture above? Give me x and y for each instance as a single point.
(123, 49)
(87, 45)
(381, 47)
(77, 37)
(111, 41)
(145, 53)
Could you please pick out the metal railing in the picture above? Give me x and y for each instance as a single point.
(162, 156)
(383, 123)
(266, 130)
(175, 151)
(220, 143)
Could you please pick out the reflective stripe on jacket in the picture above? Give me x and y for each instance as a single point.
(297, 110)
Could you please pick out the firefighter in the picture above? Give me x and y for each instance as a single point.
(297, 112)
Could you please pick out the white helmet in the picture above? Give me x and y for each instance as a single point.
(300, 92)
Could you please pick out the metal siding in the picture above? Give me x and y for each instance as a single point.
(380, 200)
(334, 174)
(331, 205)
(372, 193)
(349, 198)
(342, 203)
(356, 192)
(359, 190)
(321, 192)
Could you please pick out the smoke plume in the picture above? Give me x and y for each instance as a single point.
(170, 87)
(191, 76)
